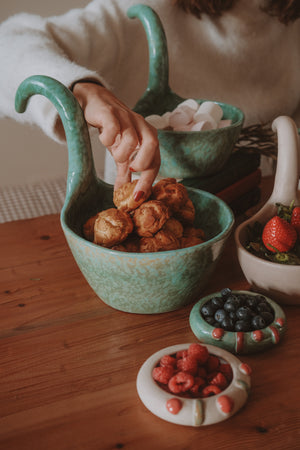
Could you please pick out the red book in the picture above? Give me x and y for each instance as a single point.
(240, 187)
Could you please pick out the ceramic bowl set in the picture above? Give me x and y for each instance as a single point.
(151, 283)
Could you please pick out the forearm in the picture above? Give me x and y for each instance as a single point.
(58, 47)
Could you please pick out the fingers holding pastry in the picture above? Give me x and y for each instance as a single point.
(149, 224)
(124, 198)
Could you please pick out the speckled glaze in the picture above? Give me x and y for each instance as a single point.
(238, 342)
(194, 412)
(278, 281)
(183, 154)
(133, 282)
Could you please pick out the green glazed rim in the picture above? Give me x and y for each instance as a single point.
(238, 342)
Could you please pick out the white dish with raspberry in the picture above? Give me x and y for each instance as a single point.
(197, 411)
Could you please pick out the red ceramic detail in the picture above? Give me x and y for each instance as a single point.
(245, 368)
(280, 321)
(239, 341)
(225, 404)
(258, 335)
(174, 405)
(275, 334)
(217, 333)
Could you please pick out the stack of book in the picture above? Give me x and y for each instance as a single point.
(237, 183)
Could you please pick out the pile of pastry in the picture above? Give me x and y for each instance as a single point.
(162, 221)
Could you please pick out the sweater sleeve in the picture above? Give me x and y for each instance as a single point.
(81, 44)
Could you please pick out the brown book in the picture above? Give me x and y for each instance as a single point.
(240, 187)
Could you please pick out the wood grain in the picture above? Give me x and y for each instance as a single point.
(69, 362)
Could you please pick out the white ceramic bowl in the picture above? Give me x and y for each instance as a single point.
(195, 411)
(278, 281)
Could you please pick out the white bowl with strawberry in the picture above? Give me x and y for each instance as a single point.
(268, 244)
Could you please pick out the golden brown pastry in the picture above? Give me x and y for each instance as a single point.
(173, 226)
(190, 241)
(166, 241)
(186, 213)
(161, 241)
(150, 217)
(130, 245)
(173, 194)
(148, 245)
(88, 228)
(123, 197)
(112, 226)
(194, 232)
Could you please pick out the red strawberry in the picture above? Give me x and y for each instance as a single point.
(278, 234)
(295, 219)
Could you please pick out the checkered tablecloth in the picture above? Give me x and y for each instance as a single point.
(28, 201)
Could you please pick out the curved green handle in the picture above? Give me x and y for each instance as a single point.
(157, 42)
(81, 171)
(158, 82)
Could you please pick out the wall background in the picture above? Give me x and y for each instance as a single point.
(27, 155)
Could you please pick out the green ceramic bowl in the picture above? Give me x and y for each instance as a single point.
(134, 282)
(238, 342)
(183, 154)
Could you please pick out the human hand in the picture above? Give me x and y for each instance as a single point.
(132, 142)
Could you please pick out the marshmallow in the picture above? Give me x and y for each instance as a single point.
(184, 127)
(211, 108)
(203, 125)
(203, 117)
(224, 123)
(166, 116)
(190, 103)
(190, 116)
(159, 122)
(179, 117)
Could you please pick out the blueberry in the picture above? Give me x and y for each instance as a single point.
(264, 306)
(217, 302)
(241, 298)
(231, 304)
(210, 320)
(232, 315)
(208, 309)
(242, 325)
(226, 292)
(244, 313)
(227, 324)
(258, 323)
(260, 298)
(267, 316)
(220, 315)
(251, 302)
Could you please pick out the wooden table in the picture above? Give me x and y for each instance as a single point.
(69, 362)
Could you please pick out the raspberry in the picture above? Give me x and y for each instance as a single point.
(162, 374)
(198, 382)
(202, 372)
(226, 370)
(188, 364)
(219, 380)
(210, 390)
(181, 354)
(181, 382)
(212, 363)
(198, 351)
(211, 375)
(167, 360)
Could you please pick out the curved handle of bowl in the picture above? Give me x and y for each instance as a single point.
(287, 171)
(158, 81)
(81, 165)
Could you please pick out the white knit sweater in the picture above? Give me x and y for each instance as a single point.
(245, 58)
